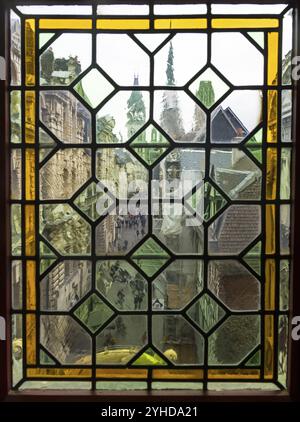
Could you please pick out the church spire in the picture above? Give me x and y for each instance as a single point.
(136, 80)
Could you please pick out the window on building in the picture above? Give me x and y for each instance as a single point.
(150, 199)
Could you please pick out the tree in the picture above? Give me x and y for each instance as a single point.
(170, 118)
(170, 67)
(136, 111)
(47, 64)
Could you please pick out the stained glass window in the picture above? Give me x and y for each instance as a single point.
(151, 150)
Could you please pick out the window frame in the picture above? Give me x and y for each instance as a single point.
(6, 394)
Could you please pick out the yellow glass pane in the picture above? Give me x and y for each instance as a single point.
(31, 339)
(244, 23)
(272, 116)
(66, 23)
(30, 52)
(123, 24)
(273, 58)
(270, 271)
(29, 230)
(30, 286)
(233, 373)
(196, 374)
(269, 346)
(270, 229)
(271, 179)
(180, 23)
(29, 117)
(30, 174)
(122, 373)
(57, 373)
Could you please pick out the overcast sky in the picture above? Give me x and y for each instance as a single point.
(232, 54)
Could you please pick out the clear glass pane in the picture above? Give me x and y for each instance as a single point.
(122, 339)
(65, 229)
(17, 348)
(235, 286)
(17, 284)
(122, 116)
(65, 285)
(64, 173)
(15, 48)
(234, 340)
(55, 106)
(135, 62)
(177, 340)
(177, 285)
(121, 285)
(175, 63)
(235, 174)
(56, 331)
(235, 229)
(285, 221)
(15, 117)
(65, 59)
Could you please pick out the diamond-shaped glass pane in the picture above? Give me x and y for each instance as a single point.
(206, 312)
(94, 88)
(150, 144)
(87, 200)
(93, 313)
(206, 201)
(208, 88)
(150, 257)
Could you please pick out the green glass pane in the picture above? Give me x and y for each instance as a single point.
(86, 88)
(206, 312)
(45, 250)
(46, 144)
(208, 88)
(150, 266)
(45, 264)
(253, 258)
(150, 155)
(254, 360)
(149, 358)
(254, 145)
(45, 37)
(258, 37)
(93, 313)
(45, 359)
(150, 248)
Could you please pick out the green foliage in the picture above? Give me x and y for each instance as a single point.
(170, 67)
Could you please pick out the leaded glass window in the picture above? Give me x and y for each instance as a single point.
(151, 151)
